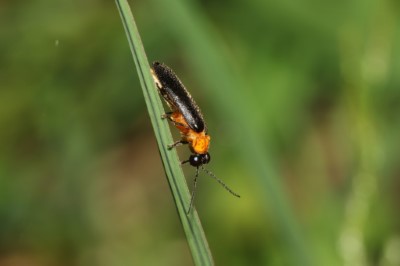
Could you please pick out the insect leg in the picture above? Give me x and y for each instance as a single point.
(168, 115)
(177, 143)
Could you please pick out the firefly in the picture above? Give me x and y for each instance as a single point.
(186, 116)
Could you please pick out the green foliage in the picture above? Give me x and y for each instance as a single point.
(301, 100)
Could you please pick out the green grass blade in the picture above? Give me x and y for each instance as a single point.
(191, 224)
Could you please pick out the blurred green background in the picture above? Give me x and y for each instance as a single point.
(302, 101)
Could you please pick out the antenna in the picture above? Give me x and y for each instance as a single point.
(195, 184)
(220, 181)
(193, 190)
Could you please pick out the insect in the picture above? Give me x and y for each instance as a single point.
(186, 116)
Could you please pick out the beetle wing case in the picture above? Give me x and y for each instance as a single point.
(177, 97)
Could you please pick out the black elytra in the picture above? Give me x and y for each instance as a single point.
(178, 98)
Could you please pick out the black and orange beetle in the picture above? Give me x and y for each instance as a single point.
(186, 116)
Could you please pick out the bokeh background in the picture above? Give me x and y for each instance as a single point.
(302, 100)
